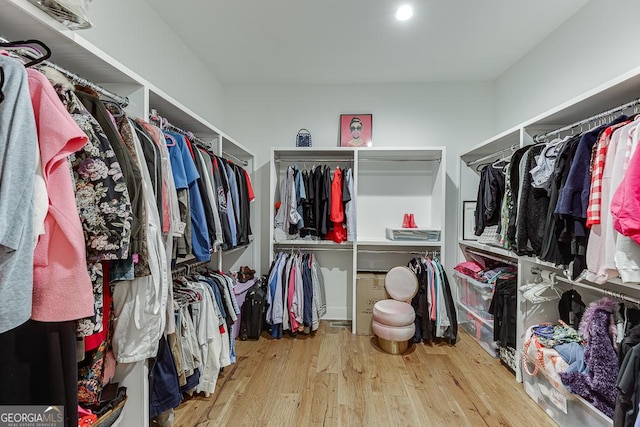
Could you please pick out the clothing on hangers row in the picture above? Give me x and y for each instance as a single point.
(316, 204)
(435, 309)
(295, 293)
(570, 201)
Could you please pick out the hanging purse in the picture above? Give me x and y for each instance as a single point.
(303, 138)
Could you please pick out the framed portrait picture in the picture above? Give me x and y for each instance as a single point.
(469, 220)
(356, 130)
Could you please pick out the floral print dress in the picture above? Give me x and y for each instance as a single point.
(103, 202)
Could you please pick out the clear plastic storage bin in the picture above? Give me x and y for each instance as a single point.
(566, 409)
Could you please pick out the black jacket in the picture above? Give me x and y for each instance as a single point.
(489, 200)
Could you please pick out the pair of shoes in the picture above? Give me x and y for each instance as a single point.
(245, 274)
(409, 221)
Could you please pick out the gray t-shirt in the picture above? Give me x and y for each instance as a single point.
(18, 154)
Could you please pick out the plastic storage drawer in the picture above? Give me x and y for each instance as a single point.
(480, 329)
(474, 295)
(567, 410)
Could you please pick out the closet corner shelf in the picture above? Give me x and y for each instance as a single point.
(410, 243)
(302, 243)
(615, 282)
(538, 261)
(236, 249)
(488, 248)
(475, 315)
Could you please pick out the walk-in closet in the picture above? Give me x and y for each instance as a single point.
(294, 213)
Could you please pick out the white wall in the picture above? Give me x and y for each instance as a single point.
(453, 115)
(600, 42)
(131, 32)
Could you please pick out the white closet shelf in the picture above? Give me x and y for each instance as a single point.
(615, 283)
(311, 154)
(235, 149)
(323, 243)
(488, 248)
(181, 116)
(409, 243)
(237, 248)
(17, 23)
(400, 154)
(502, 141)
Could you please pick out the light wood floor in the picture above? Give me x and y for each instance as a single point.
(339, 379)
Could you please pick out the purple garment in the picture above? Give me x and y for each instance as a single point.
(598, 385)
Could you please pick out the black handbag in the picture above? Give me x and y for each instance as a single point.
(303, 138)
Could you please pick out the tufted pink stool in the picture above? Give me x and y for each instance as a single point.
(393, 318)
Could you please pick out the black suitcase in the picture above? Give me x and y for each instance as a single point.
(254, 311)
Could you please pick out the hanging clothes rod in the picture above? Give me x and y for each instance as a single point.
(184, 269)
(121, 100)
(236, 159)
(511, 149)
(76, 79)
(490, 256)
(189, 135)
(314, 160)
(310, 249)
(604, 291)
(599, 116)
(383, 251)
(399, 160)
(164, 124)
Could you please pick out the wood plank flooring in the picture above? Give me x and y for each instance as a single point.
(338, 379)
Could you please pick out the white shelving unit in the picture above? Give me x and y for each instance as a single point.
(20, 20)
(616, 92)
(389, 182)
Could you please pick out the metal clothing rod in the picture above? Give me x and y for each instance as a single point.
(545, 136)
(76, 79)
(235, 158)
(604, 291)
(163, 123)
(309, 249)
(494, 155)
(121, 100)
(432, 253)
(493, 257)
(314, 160)
(400, 160)
(185, 268)
(185, 133)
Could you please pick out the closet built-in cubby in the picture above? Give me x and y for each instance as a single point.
(389, 182)
(596, 107)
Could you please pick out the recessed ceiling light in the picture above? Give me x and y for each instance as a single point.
(404, 12)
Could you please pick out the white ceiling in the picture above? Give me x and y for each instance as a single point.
(359, 41)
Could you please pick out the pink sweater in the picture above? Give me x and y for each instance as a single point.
(62, 289)
(625, 204)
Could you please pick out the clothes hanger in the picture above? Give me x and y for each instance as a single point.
(169, 137)
(114, 108)
(481, 166)
(34, 47)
